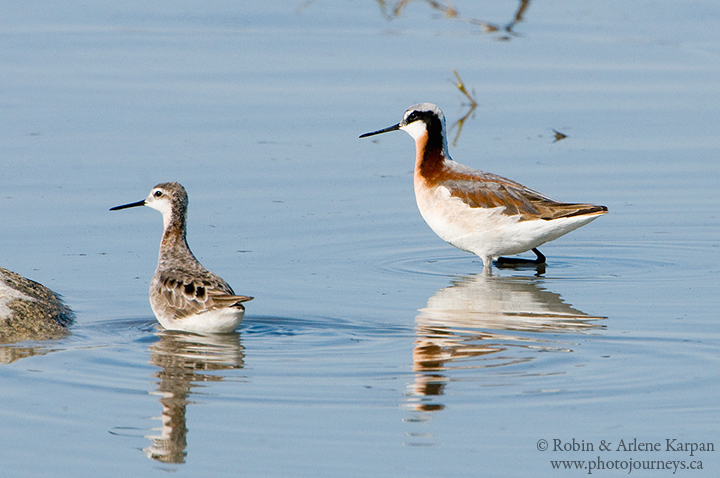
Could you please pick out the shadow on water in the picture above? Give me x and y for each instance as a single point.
(471, 107)
(185, 361)
(483, 322)
(12, 353)
(505, 31)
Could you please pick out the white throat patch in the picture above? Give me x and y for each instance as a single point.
(415, 129)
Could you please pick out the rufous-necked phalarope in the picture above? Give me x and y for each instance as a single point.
(183, 294)
(477, 211)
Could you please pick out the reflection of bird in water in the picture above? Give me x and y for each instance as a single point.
(462, 325)
(476, 211)
(502, 303)
(183, 359)
(28, 311)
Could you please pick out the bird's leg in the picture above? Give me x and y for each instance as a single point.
(487, 266)
(518, 261)
(540, 256)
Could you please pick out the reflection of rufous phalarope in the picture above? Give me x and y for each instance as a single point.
(477, 211)
(183, 294)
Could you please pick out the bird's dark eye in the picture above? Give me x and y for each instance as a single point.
(414, 116)
(158, 194)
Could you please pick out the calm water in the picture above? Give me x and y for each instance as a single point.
(372, 348)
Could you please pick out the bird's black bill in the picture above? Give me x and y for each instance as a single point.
(386, 130)
(125, 206)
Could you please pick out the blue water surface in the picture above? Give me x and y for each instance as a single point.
(372, 348)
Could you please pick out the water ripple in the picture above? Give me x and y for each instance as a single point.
(626, 262)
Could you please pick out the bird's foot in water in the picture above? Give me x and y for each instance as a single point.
(505, 262)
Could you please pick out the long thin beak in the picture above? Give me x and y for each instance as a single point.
(386, 130)
(125, 206)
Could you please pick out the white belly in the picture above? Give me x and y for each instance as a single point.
(487, 232)
(217, 321)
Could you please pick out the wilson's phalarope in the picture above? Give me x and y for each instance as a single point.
(183, 294)
(476, 211)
